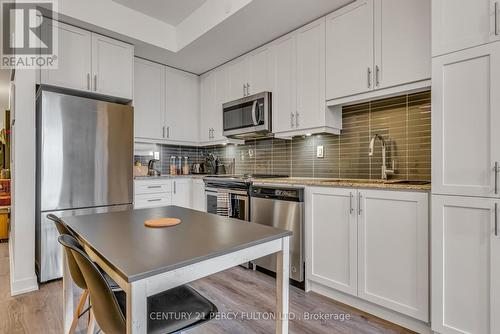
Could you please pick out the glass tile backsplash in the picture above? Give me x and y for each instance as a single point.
(404, 122)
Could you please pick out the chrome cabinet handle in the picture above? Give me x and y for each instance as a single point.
(175, 187)
(369, 77)
(88, 81)
(496, 177)
(292, 122)
(297, 119)
(248, 89)
(351, 208)
(154, 187)
(154, 200)
(496, 19)
(359, 204)
(95, 82)
(163, 131)
(496, 219)
(377, 75)
(168, 131)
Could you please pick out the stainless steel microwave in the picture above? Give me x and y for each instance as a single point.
(249, 117)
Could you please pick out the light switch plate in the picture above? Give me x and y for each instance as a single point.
(320, 151)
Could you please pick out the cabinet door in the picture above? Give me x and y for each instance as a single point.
(311, 106)
(149, 99)
(259, 75)
(465, 266)
(349, 50)
(207, 106)
(285, 87)
(393, 251)
(402, 42)
(461, 24)
(221, 96)
(182, 112)
(198, 200)
(113, 67)
(465, 117)
(181, 195)
(331, 231)
(74, 69)
(238, 78)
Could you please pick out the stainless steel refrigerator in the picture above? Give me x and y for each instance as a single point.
(84, 166)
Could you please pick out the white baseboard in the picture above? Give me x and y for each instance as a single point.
(25, 285)
(378, 311)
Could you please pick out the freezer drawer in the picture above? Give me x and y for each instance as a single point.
(48, 251)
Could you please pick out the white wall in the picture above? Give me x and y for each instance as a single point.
(22, 234)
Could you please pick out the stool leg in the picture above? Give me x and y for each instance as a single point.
(90, 329)
(81, 304)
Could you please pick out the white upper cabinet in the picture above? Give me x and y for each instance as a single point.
(465, 117)
(214, 91)
(461, 24)
(465, 265)
(113, 67)
(393, 251)
(311, 106)
(349, 50)
(260, 71)
(75, 58)
(91, 62)
(402, 42)
(285, 87)
(149, 100)
(331, 246)
(376, 44)
(238, 78)
(183, 103)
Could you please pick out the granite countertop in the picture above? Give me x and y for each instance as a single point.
(168, 176)
(348, 183)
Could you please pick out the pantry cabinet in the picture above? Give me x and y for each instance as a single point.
(91, 62)
(465, 265)
(182, 106)
(461, 24)
(372, 244)
(377, 44)
(149, 100)
(465, 114)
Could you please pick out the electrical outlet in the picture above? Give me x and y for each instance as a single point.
(320, 151)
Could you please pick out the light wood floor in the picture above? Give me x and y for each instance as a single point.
(236, 290)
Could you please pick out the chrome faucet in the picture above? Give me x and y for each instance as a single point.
(385, 171)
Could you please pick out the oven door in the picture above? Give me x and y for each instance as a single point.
(239, 202)
(248, 115)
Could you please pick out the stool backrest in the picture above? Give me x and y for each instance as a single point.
(105, 306)
(76, 274)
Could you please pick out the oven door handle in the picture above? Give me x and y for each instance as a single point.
(254, 116)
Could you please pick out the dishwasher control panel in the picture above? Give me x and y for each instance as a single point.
(285, 194)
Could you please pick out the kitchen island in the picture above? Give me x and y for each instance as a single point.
(146, 261)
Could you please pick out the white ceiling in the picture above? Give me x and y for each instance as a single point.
(172, 12)
(256, 24)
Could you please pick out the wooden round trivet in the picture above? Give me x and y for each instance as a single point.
(162, 222)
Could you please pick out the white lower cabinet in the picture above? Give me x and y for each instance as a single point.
(198, 192)
(152, 193)
(465, 265)
(393, 250)
(372, 244)
(181, 192)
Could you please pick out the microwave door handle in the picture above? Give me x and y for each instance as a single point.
(254, 116)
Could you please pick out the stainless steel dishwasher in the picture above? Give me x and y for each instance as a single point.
(281, 207)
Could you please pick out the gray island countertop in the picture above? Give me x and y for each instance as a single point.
(137, 252)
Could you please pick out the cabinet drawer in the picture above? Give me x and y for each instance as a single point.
(152, 200)
(153, 187)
